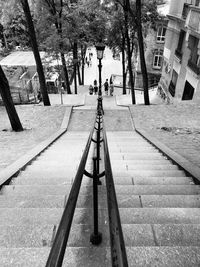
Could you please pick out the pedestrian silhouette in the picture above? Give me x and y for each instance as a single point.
(111, 88)
(95, 87)
(106, 87)
(91, 89)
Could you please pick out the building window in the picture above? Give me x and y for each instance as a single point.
(172, 86)
(161, 34)
(194, 60)
(186, 9)
(197, 2)
(188, 91)
(178, 51)
(158, 59)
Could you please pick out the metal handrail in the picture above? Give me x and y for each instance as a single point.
(118, 250)
(57, 252)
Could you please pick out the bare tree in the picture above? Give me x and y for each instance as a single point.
(8, 102)
(36, 53)
(57, 13)
(141, 49)
(132, 82)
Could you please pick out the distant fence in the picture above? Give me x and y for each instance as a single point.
(21, 96)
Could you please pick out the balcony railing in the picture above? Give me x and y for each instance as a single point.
(193, 66)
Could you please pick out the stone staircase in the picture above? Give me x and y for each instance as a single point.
(32, 205)
(158, 203)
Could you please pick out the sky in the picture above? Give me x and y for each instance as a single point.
(164, 9)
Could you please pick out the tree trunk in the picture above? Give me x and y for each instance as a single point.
(8, 102)
(75, 57)
(36, 53)
(129, 55)
(65, 73)
(83, 52)
(123, 66)
(71, 78)
(141, 48)
(79, 74)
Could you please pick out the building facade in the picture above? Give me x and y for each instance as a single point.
(154, 48)
(181, 67)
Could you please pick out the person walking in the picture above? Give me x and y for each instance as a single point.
(106, 87)
(91, 89)
(111, 88)
(95, 87)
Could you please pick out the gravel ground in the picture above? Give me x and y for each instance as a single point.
(39, 122)
(177, 126)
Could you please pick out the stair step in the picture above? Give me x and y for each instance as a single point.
(41, 181)
(120, 189)
(158, 201)
(124, 201)
(153, 180)
(20, 216)
(163, 180)
(48, 181)
(134, 149)
(26, 235)
(163, 256)
(49, 201)
(42, 235)
(48, 174)
(44, 189)
(160, 215)
(149, 173)
(32, 257)
(136, 156)
(158, 189)
(134, 235)
(138, 167)
(161, 235)
(95, 256)
(141, 162)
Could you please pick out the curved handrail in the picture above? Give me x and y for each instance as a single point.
(118, 250)
(57, 252)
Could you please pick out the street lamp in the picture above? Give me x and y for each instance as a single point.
(100, 47)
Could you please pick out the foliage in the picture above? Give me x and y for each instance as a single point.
(14, 24)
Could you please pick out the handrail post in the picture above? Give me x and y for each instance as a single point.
(98, 146)
(100, 110)
(96, 236)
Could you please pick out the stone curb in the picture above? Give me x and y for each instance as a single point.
(182, 162)
(13, 169)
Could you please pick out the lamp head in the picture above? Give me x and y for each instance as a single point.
(100, 47)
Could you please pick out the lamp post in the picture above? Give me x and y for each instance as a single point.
(100, 47)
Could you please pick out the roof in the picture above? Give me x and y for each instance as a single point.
(20, 58)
